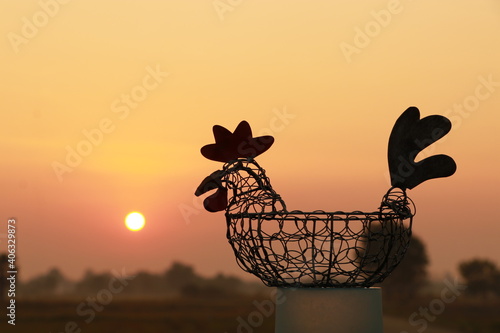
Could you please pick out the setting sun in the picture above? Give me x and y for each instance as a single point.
(135, 221)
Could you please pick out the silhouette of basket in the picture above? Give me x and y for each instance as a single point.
(321, 249)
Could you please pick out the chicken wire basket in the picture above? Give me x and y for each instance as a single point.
(322, 249)
(319, 249)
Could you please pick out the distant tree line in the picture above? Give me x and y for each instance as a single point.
(482, 277)
(178, 280)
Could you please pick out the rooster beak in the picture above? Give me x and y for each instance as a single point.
(217, 201)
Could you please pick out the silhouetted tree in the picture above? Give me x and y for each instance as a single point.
(92, 282)
(411, 273)
(229, 284)
(147, 284)
(383, 242)
(180, 275)
(482, 277)
(218, 287)
(3, 278)
(52, 283)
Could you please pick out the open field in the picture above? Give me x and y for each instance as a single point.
(240, 315)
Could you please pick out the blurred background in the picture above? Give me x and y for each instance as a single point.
(105, 105)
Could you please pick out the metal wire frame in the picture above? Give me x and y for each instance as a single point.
(312, 249)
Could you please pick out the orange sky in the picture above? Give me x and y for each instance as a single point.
(326, 78)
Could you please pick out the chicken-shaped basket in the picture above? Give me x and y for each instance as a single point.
(319, 249)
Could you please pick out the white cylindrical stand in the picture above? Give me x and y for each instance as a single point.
(329, 310)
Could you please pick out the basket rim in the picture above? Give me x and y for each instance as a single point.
(336, 216)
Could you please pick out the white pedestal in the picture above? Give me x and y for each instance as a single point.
(329, 310)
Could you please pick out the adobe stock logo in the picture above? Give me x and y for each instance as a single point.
(364, 36)
(420, 319)
(123, 107)
(224, 6)
(484, 89)
(263, 310)
(31, 26)
(92, 305)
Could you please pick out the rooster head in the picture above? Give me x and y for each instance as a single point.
(228, 147)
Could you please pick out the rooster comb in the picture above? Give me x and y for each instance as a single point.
(239, 144)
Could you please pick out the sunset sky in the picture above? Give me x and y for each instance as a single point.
(106, 104)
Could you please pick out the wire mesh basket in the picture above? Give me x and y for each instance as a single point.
(319, 249)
